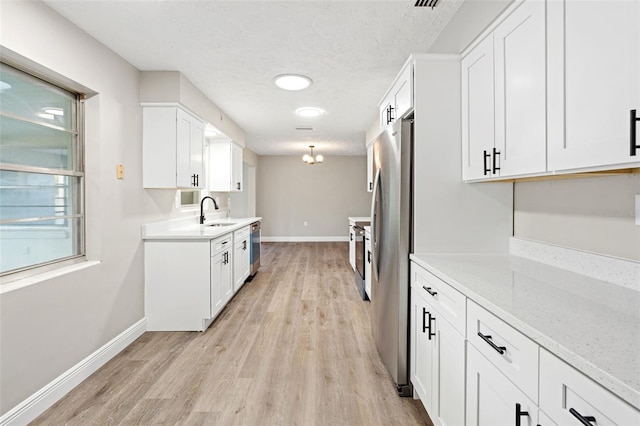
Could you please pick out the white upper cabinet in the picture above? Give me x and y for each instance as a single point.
(370, 168)
(478, 113)
(173, 142)
(550, 88)
(225, 166)
(520, 126)
(594, 82)
(399, 99)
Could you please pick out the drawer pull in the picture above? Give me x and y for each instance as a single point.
(428, 290)
(487, 338)
(520, 413)
(585, 420)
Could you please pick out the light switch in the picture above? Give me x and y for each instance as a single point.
(120, 171)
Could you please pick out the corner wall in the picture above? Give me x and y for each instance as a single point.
(49, 327)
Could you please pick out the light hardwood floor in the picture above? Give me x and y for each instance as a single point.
(293, 347)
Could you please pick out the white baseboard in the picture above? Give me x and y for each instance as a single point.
(38, 403)
(302, 239)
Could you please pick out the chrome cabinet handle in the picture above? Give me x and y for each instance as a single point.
(487, 338)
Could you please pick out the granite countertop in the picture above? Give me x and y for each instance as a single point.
(591, 324)
(190, 229)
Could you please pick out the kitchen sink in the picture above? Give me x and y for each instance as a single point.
(221, 224)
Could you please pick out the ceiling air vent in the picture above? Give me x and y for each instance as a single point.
(304, 128)
(426, 3)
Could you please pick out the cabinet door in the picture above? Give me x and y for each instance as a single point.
(594, 82)
(217, 302)
(370, 168)
(196, 153)
(238, 270)
(566, 394)
(520, 79)
(422, 351)
(246, 260)
(478, 134)
(367, 266)
(448, 377)
(403, 93)
(236, 168)
(189, 146)
(491, 397)
(226, 276)
(352, 248)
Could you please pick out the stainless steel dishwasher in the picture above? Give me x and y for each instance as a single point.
(254, 254)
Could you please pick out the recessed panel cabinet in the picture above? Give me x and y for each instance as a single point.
(172, 144)
(370, 168)
(503, 98)
(439, 354)
(594, 82)
(225, 166)
(545, 93)
(241, 261)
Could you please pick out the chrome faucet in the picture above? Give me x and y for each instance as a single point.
(202, 207)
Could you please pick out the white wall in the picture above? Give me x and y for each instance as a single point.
(595, 214)
(48, 327)
(290, 192)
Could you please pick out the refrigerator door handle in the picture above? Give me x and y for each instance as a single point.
(374, 225)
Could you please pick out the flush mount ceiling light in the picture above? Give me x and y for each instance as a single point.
(292, 81)
(310, 158)
(309, 112)
(4, 85)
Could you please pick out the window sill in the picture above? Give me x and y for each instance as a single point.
(36, 279)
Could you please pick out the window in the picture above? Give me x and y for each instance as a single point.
(41, 173)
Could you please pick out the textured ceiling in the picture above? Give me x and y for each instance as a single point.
(231, 50)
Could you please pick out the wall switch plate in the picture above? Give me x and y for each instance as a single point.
(305, 223)
(120, 171)
(638, 209)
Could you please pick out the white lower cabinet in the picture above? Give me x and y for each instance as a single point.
(569, 397)
(352, 248)
(439, 362)
(241, 261)
(221, 273)
(492, 399)
(367, 263)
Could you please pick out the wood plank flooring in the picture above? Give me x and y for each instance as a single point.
(293, 347)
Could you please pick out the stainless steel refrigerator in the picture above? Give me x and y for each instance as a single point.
(391, 243)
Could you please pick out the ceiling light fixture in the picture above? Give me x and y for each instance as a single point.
(309, 112)
(292, 81)
(4, 85)
(310, 158)
(54, 111)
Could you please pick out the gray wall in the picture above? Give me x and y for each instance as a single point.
(48, 327)
(290, 192)
(593, 214)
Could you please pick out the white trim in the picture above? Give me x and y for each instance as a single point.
(302, 239)
(40, 401)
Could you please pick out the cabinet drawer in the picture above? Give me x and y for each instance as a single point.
(220, 244)
(515, 355)
(449, 303)
(241, 233)
(564, 391)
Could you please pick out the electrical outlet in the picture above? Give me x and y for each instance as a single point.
(120, 171)
(305, 223)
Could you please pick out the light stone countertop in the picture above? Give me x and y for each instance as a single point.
(353, 219)
(190, 229)
(591, 324)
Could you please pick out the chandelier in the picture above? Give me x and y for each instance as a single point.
(310, 158)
